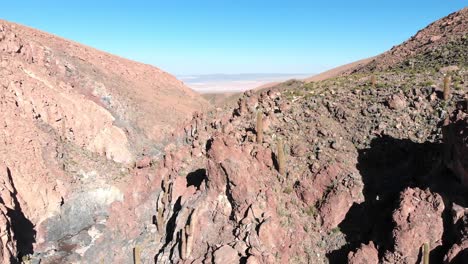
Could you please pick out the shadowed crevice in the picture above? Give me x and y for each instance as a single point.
(23, 228)
(196, 178)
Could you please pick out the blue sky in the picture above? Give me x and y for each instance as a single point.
(216, 36)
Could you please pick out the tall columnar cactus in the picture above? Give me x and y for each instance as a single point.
(167, 191)
(447, 80)
(163, 202)
(189, 238)
(160, 221)
(373, 81)
(137, 255)
(426, 253)
(183, 244)
(280, 157)
(187, 234)
(189, 231)
(259, 128)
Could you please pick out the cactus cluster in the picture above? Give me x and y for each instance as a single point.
(164, 200)
(186, 234)
(186, 237)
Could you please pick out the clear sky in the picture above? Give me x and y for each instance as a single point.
(218, 36)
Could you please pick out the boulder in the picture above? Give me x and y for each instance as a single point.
(226, 255)
(396, 102)
(366, 254)
(417, 220)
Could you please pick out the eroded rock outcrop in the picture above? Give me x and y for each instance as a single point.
(366, 254)
(417, 221)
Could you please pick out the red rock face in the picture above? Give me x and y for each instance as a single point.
(366, 254)
(417, 221)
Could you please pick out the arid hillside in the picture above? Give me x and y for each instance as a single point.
(63, 106)
(443, 41)
(436, 41)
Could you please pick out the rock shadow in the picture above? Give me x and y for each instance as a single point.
(23, 228)
(387, 167)
(196, 178)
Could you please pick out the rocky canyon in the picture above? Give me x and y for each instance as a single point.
(107, 160)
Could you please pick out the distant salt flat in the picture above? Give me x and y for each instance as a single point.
(221, 83)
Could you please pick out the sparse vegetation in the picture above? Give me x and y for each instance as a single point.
(335, 230)
(427, 83)
(288, 190)
(26, 259)
(311, 211)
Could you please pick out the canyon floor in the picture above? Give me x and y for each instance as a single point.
(106, 160)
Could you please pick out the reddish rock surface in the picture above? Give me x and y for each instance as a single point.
(458, 253)
(226, 254)
(366, 254)
(396, 102)
(417, 221)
